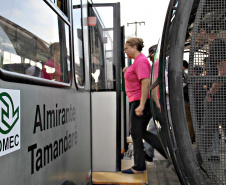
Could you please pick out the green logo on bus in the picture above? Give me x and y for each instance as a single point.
(10, 116)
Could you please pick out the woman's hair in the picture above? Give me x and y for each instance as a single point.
(139, 43)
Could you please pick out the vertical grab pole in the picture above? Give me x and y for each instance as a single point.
(117, 62)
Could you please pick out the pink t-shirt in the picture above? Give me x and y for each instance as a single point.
(156, 74)
(139, 70)
(57, 75)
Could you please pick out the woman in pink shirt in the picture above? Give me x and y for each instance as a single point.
(137, 83)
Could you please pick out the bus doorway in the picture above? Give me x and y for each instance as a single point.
(105, 69)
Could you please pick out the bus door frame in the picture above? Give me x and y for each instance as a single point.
(117, 55)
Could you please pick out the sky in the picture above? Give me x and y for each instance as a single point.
(152, 12)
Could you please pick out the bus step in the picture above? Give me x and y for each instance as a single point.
(120, 178)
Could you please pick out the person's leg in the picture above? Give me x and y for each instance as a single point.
(151, 138)
(152, 128)
(215, 144)
(136, 133)
(207, 127)
(189, 121)
(148, 148)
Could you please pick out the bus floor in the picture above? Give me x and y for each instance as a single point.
(158, 173)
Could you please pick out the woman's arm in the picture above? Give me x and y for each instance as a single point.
(145, 83)
(155, 97)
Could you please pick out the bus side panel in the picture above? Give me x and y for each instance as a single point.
(51, 151)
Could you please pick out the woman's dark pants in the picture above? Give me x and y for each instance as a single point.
(139, 132)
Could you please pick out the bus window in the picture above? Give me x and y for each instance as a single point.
(78, 43)
(101, 45)
(30, 45)
(62, 5)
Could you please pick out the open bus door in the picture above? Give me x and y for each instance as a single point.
(105, 69)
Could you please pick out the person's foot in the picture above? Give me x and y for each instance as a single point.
(148, 158)
(131, 171)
